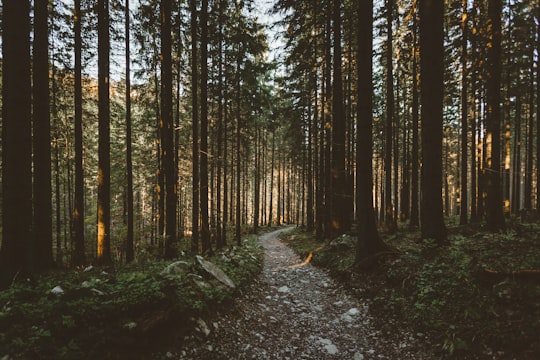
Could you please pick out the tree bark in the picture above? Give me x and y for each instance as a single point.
(431, 73)
(195, 131)
(16, 250)
(104, 149)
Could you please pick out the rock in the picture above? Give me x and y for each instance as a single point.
(88, 268)
(86, 284)
(97, 292)
(353, 311)
(176, 268)
(130, 325)
(344, 242)
(202, 327)
(57, 290)
(283, 289)
(215, 272)
(358, 356)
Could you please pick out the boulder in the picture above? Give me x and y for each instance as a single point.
(215, 271)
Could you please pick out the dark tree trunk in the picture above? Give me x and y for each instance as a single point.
(16, 251)
(130, 255)
(516, 173)
(415, 151)
(78, 211)
(104, 150)
(238, 220)
(272, 165)
(527, 204)
(339, 221)
(219, 167)
(42, 140)
(538, 111)
(195, 137)
(431, 74)
(369, 241)
(495, 216)
(463, 196)
(168, 129)
(388, 131)
(205, 226)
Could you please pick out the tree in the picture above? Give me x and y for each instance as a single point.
(415, 166)
(369, 241)
(129, 162)
(42, 139)
(389, 133)
(195, 131)
(205, 227)
(16, 251)
(464, 115)
(104, 150)
(495, 216)
(431, 90)
(78, 206)
(340, 217)
(167, 129)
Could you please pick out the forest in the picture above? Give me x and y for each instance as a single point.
(139, 133)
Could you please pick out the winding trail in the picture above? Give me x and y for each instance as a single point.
(297, 312)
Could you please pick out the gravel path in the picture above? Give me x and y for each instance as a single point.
(296, 311)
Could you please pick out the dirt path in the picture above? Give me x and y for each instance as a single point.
(296, 312)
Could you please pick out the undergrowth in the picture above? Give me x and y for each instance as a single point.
(467, 297)
(115, 312)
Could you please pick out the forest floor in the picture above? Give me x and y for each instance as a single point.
(294, 310)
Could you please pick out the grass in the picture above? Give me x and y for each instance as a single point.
(464, 296)
(105, 312)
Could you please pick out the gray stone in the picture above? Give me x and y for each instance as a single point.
(215, 271)
(176, 268)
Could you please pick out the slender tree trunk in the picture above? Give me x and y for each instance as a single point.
(42, 140)
(78, 211)
(130, 255)
(369, 241)
(495, 216)
(463, 198)
(205, 226)
(238, 234)
(272, 165)
(104, 150)
(516, 193)
(538, 112)
(339, 222)
(195, 131)
(219, 234)
(16, 250)
(431, 73)
(415, 151)
(388, 131)
(530, 138)
(167, 123)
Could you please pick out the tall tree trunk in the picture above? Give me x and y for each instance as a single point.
(78, 211)
(369, 241)
(167, 124)
(527, 204)
(42, 139)
(516, 173)
(415, 151)
(238, 153)
(388, 131)
(130, 255)
(272, 165)
(495, 216)
(339, 222)
(538, 111)
(195, 131)
(474, 144)
(219, 167)
(104, 150)
(16, 250)
(463, 198)
(205, 226)
(431, 73)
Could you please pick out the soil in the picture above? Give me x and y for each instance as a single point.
(297, 311)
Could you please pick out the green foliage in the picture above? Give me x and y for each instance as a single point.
(91, 316)
(442, 291)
